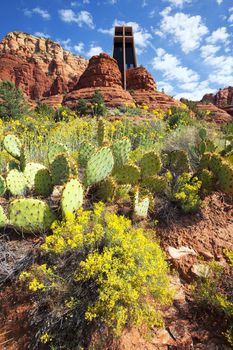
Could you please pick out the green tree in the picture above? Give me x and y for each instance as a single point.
(44, 109)
(82, 107)
(98, 105)
(12, 102)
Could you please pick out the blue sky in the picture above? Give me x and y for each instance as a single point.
(187, 45)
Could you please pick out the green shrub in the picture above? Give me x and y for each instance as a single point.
(98, 105)
(12, 102)
(103, 272)
(213, 291)
(44, 109)
(82, 107)
(186, 192)
(178, 117)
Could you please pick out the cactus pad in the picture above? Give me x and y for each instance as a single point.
(85, 151)
(225, 177)
(72, 196)
(12, 145)
(203, 134)
(150, 164)
(99, 166)
(3, 218)
(106, 190)
(205, 161)
(141, 205)
(54, 150)
(215, 163)
(30, 172)
(2, 186)
(16, 183)
(30, 215)
(155, 184)
(121, 150)
(61, 169)
(178, 162)
(207, 179)
(128, 174)
(43, 185)
(101, 132)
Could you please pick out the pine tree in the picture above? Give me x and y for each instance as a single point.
(12, 102)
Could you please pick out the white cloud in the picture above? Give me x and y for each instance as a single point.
(179, 3)
(94, 50)
(81, 18)
(37, 10)
(219, 35)
(230, 19)
(209, 50)
(164, 85)
(41, 34)
(65, 43)
(184, 29)
(195, 95)
(141, 36)
(172, 69)
(79, 48)
(222, 69)
(219, 2)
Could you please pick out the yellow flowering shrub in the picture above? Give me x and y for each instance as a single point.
(102, 270)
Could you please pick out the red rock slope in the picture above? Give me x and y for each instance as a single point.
(222, 99)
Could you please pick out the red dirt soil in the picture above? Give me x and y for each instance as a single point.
(208, 233)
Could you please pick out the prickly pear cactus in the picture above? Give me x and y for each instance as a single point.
(203, 134)
(178, 162)
(85, 151)
(150, 164)
(72, 196)
(3, 218)
(13, 146)
(215, 163)
(16, 183)
(23, 159)
(30, 172)
(61, 169)
(207, 178)
(30, 215)
(54, 149)
(155, 184)
(12, 165)
(99, 166)
(2, 186)
(43, 185)
(106, 190)
(121, 150)
(225, 177)
(229, 157)
(205, 161)
(101, 132)
(141, 205)
(128, 174)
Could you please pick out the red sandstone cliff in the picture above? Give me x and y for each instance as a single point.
(39, 66)
(222, 99)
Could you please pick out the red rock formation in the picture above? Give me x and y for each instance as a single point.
(216, 114)
(142, 87)
(139, 78)
(101, 74)
(38, 66)
(222, 99)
